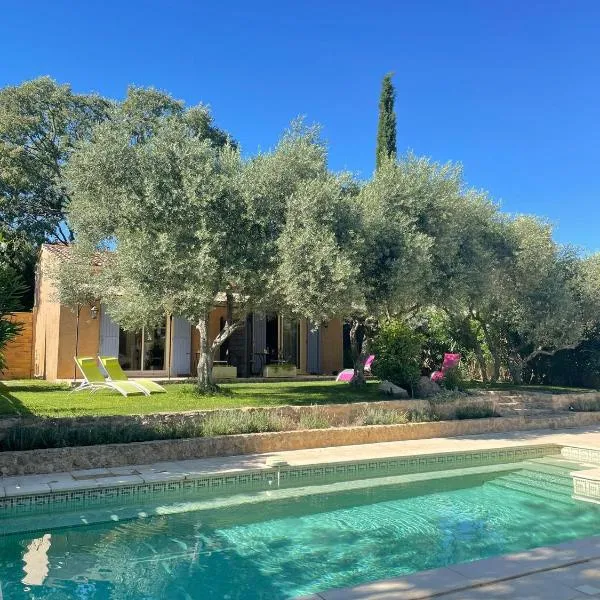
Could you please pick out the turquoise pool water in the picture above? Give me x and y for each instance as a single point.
(292, 546)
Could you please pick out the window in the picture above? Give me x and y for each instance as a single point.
(143, 351)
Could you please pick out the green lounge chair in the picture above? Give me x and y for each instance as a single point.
(94, 380)
(113, 368)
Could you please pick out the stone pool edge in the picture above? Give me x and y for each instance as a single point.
(34, 492)
(461, 577)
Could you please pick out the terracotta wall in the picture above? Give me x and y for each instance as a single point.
(332, 347)
(47, 320)
(87, 345)
(19, 351)
(56, 326)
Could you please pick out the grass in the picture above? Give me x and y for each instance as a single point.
(549, 389)
(45, 399)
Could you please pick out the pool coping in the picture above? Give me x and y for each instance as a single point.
(475, 575)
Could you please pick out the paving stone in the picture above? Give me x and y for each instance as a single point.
(26, 489)
(413, 587)
(89, 473)
(164, 476)
(74, 484)
(119, 480)
(590, 590)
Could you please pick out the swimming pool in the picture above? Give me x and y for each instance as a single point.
(290, 541)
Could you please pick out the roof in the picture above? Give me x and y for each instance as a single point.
(64, 252)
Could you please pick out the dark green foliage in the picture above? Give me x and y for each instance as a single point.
(11, 292)
(386, 128)
(437, 335)
(453, 379)
(41, 122)
(397, 351)
(574, 368)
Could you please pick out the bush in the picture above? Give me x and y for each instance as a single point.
(452, 379)
(397, 352)
(585, 405)
(380, 416)
(313, 420)
(483, 410)
(233, 422)
(11, 292)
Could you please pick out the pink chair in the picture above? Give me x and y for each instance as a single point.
(451, 360)
(348, 374)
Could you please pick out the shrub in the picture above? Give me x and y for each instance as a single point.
(314, 420)
(452, 379)
(585, 405)
(231, 422)
(380, 416)
(397, 352)
(11, 292)
(482, 410)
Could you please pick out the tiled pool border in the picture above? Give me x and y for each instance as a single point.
(128, 492)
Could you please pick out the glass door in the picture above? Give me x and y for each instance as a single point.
(290, 341)
(143, 350)
(154, 348)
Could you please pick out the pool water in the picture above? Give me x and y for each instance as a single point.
(297, 545)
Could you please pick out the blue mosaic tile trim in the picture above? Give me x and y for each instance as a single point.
(256, 480)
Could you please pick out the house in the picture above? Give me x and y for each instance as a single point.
(172, 348)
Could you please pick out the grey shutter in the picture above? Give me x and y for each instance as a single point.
(109, 335)
(313, 354)
(259, 342)
(182, 346)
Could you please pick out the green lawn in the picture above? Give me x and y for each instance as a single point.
(41, 398)
(548, 389)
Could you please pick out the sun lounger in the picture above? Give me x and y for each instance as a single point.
(94, 380)
(115, 373)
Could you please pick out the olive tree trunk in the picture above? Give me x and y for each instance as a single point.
(208, 351)
(206, 381)
(359, 351)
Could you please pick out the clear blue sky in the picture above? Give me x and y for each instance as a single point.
(510, 88)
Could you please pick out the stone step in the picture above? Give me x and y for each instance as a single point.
(551, 483)
(556, 462)
(531, 491)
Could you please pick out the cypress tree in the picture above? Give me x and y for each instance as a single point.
(386, 128)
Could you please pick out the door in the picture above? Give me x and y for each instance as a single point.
(259, 342)
(109, 335)
(182, 346)
(313, 354)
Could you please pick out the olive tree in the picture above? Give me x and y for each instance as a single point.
(184, 220)
(403, 223)
(154, 194)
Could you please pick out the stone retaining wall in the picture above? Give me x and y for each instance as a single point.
(113, 455)
(336, 414)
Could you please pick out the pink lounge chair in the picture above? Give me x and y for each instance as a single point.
(451, 360)
(348, 374)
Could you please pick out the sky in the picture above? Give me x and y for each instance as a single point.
(508, 88)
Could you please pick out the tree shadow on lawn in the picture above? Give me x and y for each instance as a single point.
(10, 405)
(306, 394)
